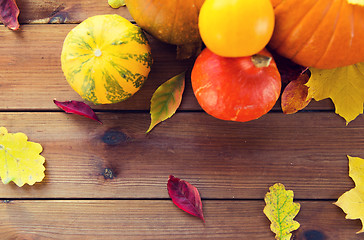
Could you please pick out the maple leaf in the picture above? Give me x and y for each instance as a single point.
(280, 210)
(20, 160)
(166, 99)
(352, 201)
(344, 85)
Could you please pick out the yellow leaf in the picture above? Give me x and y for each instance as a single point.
(116, 3)
(20, 161)
(344, 85)
(280, 210)
(352, 201)
(356, 2)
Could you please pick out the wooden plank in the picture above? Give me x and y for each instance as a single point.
(31, 75)
(65, 11)
(306, 152)
(128, 219)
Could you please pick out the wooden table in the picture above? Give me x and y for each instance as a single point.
(232, 164)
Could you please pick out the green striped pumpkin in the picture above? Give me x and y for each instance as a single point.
(106, 59)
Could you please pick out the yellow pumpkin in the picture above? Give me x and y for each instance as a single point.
(106, 59)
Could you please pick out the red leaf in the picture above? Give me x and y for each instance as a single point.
(185, 196)
(294, 96)
(9, 13)
(78, 108)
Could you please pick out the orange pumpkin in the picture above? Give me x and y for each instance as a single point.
(171, 21)
(319, 33)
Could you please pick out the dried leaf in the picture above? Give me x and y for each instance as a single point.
(9, 13)
(185, 196)
(116, 3)
(344, 85)
(20, 160)
(78, 108)
(351, 202)
(166, 99)
(280, 210)
(294, 96)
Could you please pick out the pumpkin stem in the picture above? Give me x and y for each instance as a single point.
(261, 60)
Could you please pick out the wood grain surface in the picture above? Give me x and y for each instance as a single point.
(160, 219)
(108, 181)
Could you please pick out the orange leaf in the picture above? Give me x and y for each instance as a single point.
(294, 96)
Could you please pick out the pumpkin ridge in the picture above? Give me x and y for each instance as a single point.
(313, 33)
(328, 46)
(171, 36)
(283, 40)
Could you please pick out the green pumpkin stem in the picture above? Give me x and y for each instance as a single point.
(261, 60)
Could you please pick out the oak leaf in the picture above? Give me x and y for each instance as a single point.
(20, 160)
(344, 85)
(166, 99)
(352, 201)
(280, 210)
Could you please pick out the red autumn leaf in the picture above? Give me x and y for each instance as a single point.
(78, 108)
(294, 96)
(9, 13)
(185, 196)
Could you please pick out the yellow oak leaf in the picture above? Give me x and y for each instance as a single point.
(280, 210)
(344, 85)
(352, 201)
(20, 160)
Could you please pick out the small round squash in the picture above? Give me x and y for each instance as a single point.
(106, 59)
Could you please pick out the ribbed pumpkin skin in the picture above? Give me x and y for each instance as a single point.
(171, 21)
(106, 59)
(319, 33)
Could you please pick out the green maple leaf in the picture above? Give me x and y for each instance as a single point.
(20, 160)
(280, 210)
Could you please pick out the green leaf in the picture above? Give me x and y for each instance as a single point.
(280, 210)
(166, 99)
(20, 160)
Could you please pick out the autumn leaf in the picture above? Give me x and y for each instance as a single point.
(344, 85)
(356, 2)
(78, 108)
(294, 96)
(20, 160)
(116, 3)
(280, 210)
(166, 99)
(185, 196)
(9, 13)
(351, 202)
